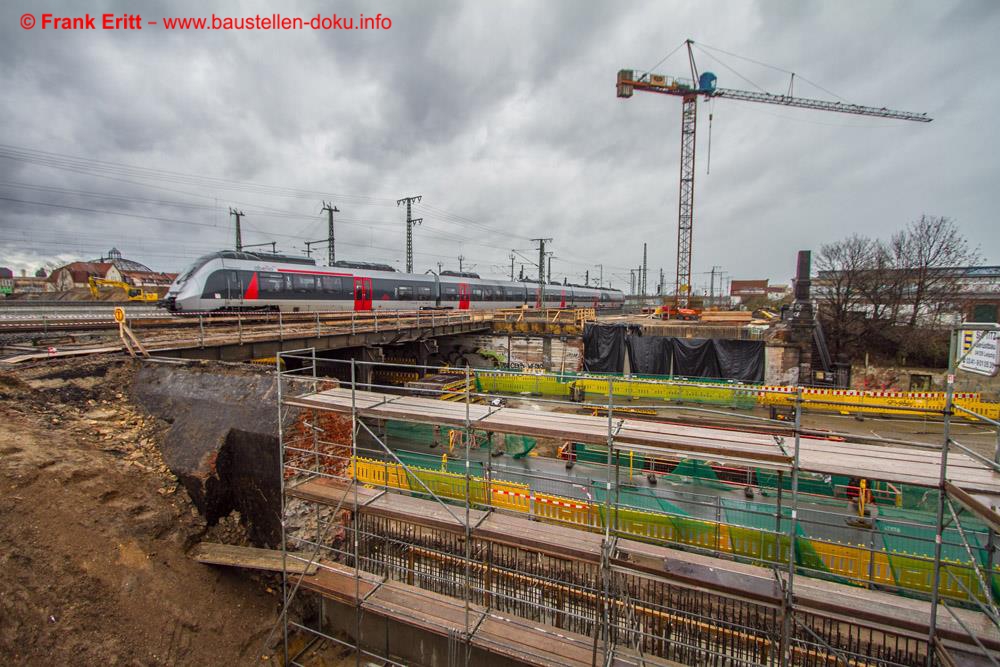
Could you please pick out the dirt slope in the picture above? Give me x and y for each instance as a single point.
(93, 532)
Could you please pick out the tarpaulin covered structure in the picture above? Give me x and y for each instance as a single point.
(605, 347)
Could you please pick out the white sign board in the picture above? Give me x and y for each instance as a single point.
(980, 352)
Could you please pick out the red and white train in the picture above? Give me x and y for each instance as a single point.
(232, 280)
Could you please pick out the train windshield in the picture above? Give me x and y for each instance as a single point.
(198, 263)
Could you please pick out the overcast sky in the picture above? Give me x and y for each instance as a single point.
(503, 116)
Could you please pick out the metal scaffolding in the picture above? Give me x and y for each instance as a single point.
(401, 531)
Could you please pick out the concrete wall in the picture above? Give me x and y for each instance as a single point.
(900, 378)
(781, 364)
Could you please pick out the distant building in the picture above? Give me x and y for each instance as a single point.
(980, 295)
(972, 294)
(30, 285)
(148, 278)
(78, 274)
(111, 266)
(41, 273)
(6, 282)
(5, 272)
(742, 291)
(136, 273)
(778, 292)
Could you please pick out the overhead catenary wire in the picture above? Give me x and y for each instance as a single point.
(216, 203)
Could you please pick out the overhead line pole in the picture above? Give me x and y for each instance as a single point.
(410, 222)
(239, 236)
(540, 300)
(644, 269)
(330, 210)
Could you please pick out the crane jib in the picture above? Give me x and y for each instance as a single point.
(668, 86)
(820, 105)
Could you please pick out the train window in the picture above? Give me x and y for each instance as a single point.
(331, 284)
(477, 293)
(304, 283)
(424, 293)
(404, 293)
(449, 293)
(271, 283)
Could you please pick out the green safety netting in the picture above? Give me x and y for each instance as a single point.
(820, 485)
(634, 497)
(711, 391)
(909, 538)
(699, 472)
(399, 433)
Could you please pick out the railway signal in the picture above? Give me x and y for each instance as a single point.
(704, 85)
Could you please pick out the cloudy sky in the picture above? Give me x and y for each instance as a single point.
(503, 116)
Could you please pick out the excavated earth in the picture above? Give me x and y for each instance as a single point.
(110, 470)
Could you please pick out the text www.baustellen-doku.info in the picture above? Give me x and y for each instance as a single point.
(47, 21)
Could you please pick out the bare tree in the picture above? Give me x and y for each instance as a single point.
(844, 265)
(877, 295)
(928, 251)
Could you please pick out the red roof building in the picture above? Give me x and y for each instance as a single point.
(77, 274)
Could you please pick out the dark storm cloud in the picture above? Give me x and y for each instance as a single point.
(500, 113)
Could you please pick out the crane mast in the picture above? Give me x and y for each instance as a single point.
(705, 85)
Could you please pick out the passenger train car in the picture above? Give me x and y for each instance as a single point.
(232, 280)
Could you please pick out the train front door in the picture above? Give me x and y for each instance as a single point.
(362, 293)
(464, 296)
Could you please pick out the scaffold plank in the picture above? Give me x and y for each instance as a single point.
(558, 426)
(249, 557)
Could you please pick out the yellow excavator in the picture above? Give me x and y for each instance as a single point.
(133, 293)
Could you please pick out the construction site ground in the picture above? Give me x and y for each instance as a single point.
(94, 532)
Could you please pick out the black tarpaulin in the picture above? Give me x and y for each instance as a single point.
(604, 348)
(741, 360)
(648, 355)
(695, 357)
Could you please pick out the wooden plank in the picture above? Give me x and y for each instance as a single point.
(330, 492)
(340, 583)
(249, 557)
(535, 644)
(429, 512)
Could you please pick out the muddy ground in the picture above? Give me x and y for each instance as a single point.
(94, 532)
